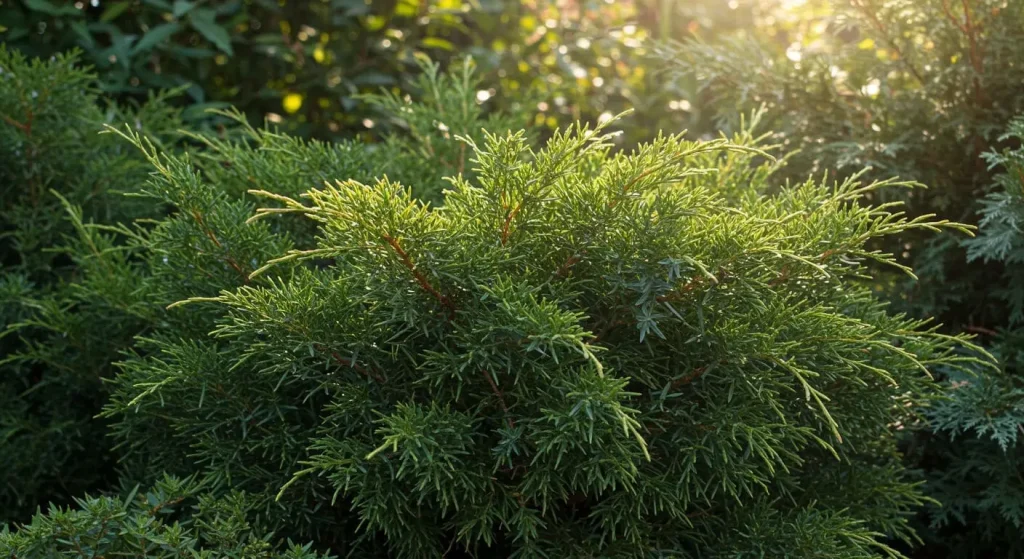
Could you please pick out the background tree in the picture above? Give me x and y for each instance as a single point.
(52, 355)
(976, 462)
(308, 61)
(919, 90)
(305, 65)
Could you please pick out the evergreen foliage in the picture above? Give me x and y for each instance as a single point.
(921, 90)
(912, 89)
(74, 294)
(670, 350)
(172, 520)
(580, 353)
(53, 352)
(978, 459)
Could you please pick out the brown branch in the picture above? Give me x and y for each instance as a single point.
(569, 263)
(946, 9)
(877, 23)
(501, 398)
(198, 217)
(351, 363)
(508, 222)
(690, 286)
(975, 54)
(981, 330)
(629, 186)
(420, 278)
(689, 377)
(782, 277)
(156, 508)
(26, 128)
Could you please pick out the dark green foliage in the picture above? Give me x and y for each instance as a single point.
(74, 294)
(981, 440)
(578, 354)
(922, 90)
(174, 519)
(53, 352)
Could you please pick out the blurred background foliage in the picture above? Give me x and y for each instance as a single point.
(306, 63)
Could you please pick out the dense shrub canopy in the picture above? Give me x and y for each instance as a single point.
(52, 360)
(580, 353)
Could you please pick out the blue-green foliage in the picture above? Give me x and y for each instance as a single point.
(979, 425)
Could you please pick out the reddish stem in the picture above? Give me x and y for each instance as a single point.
(569, 263)
(213, 237)
(689, 377)
(420, 278)
(690, 286)
(872, 16)
(501, 398)
(26, 128)
(982, 330)
(508, 222)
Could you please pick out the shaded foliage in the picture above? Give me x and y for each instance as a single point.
(920, 90)
(52, 353)
(74, 294)
(173, 519)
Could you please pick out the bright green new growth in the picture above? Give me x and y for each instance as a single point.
(580, 353)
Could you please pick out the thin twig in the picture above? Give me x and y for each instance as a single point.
(981, 330)
(26, 128)
(877, 23)
(508, 222)
(213, 237)
(352, 364)
(689, 377)
(501, 398)
(420, 278)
